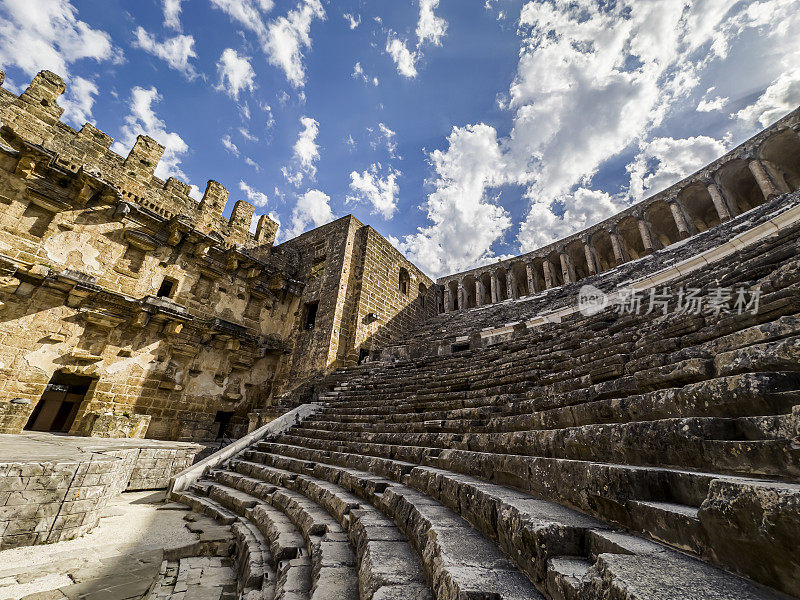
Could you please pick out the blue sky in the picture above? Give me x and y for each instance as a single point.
(464, 130)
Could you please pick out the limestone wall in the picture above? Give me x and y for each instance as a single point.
(49, 501)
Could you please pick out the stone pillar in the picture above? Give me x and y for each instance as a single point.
(495, 288)
(616, 245)
(549, 280)
(567, 268)
(763, 179)
(590, 262)
(531, 274)
(511, 283)
(680, 220)
(462, 295)
(719, 202)
(448, 299)
(644, 231)
(480, 294)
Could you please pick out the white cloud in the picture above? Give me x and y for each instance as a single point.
(247, 135)
(464, 222)
(313, 209)
(381, 193)
(403, 58)
(176, 51)
(781, 97)
(270, 117)
(229, 145)
(250, 162)
(235, 73)
(255, 197)
(709, 104)
(78, 101)
(582, 208)
(594, 79)
(664, 161)
(358, 73)
(430, 28)
(306, 153)
(245, 12)
(352, 21)
(142, 120)
(288, 36)
(172, 14)
(390, 137)
(46, 34)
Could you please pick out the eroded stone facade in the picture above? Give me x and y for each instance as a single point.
(128, 309)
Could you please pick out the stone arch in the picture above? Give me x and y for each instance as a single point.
(452, 287)
(538, 274)
(699, 207)
(780, 154)
(485, 279)
(556, 273)
(577, 253)
(502, 288)
(520, 279)
(663, 229)
(468, 283)
(740, 186)
(404, 281)
(603, 250)
(631, 238)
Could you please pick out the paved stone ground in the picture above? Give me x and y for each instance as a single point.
(119, 560)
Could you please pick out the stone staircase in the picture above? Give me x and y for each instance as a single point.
(609, 456)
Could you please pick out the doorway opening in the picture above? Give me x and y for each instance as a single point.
(62, 398)
(223, 419)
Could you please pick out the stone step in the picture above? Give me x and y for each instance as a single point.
(333, 563)
(456, 558)
(388, 567)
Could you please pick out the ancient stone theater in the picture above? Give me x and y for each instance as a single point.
(613, 416)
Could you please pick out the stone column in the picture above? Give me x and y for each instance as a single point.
(680, 220)
(616, 245)
(763, 179)
(495, 288)
(567, 269)
(531, 274)
(591, 264)
(462, 295)
(644, 231)
(448, 300)
(549, 280)
(719, 202)
(480, 293)
(511, 283)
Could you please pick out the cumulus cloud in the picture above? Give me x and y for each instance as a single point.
(47, 34)
(312, 209)
(228, 144)
(235, 73)
(288, 36)
(430, 28)
(380, 192)
(464, 220)
(782, 96)
(172, 14)
(306, 153)
(709, 104)
(664, 161)
(358, 73)
(78, 101)
(284, 38)
(175, 51)
(253, 196)
(403, 58)
(352, 21)
(142, 120)
(593, 80)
